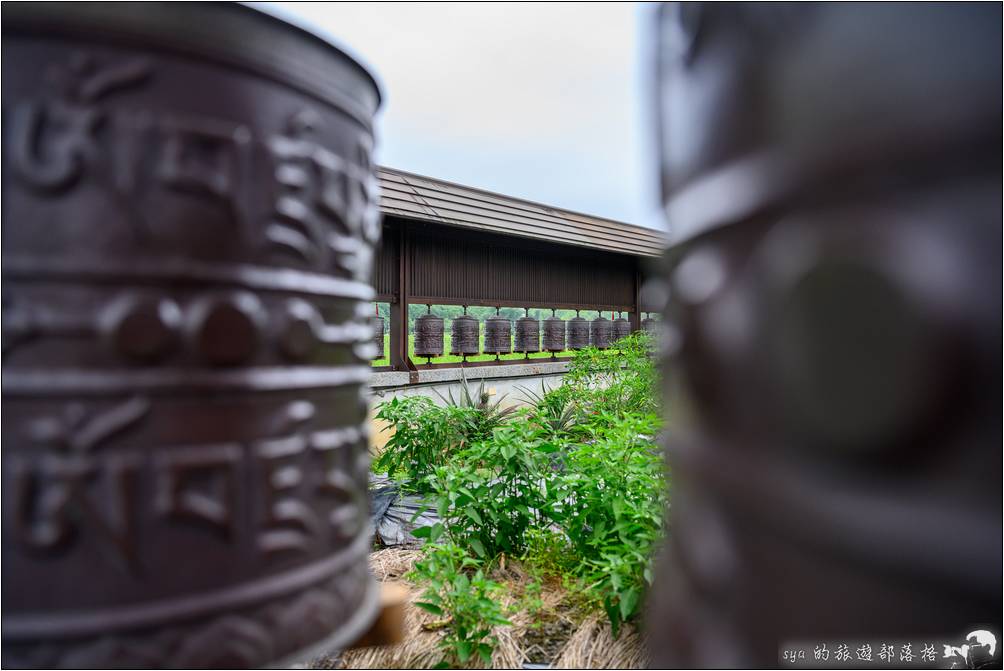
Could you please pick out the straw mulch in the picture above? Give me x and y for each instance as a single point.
(559, 634)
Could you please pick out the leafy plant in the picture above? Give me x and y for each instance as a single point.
(615, 384)
(612, 502)
(573, 484)
(458, 590)
(426, 435)
(493, 491)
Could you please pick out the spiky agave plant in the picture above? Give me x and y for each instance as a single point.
(480, 414)
(553, 408)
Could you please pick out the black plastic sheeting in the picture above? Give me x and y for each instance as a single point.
(394, 514)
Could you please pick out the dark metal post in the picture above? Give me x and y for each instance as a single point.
(635, 315)
(399, 359)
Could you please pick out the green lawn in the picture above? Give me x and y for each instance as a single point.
(453, 359)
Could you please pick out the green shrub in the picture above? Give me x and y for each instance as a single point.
(611, 502)
(458, 590)
(594, 515)
(423, 438)
(605, 384)
(574, 484)
(426, 435)
(489, 494)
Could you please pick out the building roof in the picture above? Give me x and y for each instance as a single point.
(411, 196)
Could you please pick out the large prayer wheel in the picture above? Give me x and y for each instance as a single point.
(832, 181)
(498, 335)
(429, 336)
(578, 333)
(527, 335)
(621, 328)
(600, 332)
(554, 334)
(189, 218)
(378, 336)
(464, 336)
(650, 326)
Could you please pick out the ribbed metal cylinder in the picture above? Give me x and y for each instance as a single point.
(600, 332)
(853, 405)
(527, 335)
(554, 334)
(378, 331)
(649, 325)
(621, 328)
(429, 336)
(578, 333)
(172, 390)
(498, 335)
(464, 338)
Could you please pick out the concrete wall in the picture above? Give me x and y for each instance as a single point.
(500, 381)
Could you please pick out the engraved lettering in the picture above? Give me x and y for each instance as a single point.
(207, 158)
(290, 524)
(79, 432)
(199, 483)
(54, 140)
(326, 209)
(346, 517)
(57, 497)
(51, 144)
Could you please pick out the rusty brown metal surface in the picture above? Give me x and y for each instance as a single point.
(189, 218)
(834, 326)
(423, 198)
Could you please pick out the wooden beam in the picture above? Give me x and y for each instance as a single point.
(399, 359)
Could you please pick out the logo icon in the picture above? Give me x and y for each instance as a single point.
(978, 652)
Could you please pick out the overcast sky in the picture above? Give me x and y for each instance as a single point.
(541, 101)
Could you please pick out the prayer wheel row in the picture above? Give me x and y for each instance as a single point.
(528, 337)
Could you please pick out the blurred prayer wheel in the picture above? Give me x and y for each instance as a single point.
(578, 333)
(189, 219)
(554, 334)
(832, 178)
(378, 336)
(622, 328)
(600, 332)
